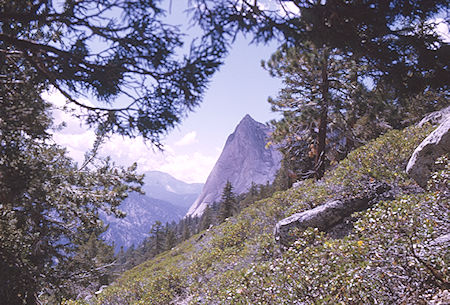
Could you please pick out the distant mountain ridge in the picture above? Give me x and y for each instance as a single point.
(244, 159)
(167, 199)
(141, 213)
(163, 186)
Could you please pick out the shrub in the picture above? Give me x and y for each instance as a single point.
(391, 257)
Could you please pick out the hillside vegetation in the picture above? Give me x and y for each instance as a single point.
(390, 256)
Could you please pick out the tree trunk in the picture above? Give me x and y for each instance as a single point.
(323, 120)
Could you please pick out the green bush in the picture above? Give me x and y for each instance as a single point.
(390, 257)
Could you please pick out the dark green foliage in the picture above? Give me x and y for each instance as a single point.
(94, 258)
(186, 229)
(227, 203)
(49, 210)
(157, 236)
(322, 93)
(207, 218)
(329, 107)
(49, 224)
(119, 49)
(170, 238)
(251, 196)
(395, 37)
(162, 238)
(287, 174)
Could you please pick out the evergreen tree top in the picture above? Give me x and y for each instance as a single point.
(113, 49)
(398, 37)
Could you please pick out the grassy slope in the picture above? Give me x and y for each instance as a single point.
(387, 258)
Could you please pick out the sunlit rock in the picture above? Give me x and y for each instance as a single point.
(244, 159)
(422, 160)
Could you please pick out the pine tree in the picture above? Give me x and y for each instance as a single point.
(131, 259)
(250, 197)
(138, 60)
(323, 89)
(49, 204)
(206, 219)
(47, 217)
(157, 238)
(398, 38)
(228, 202)
(96, 258)
(186, 228)
(121, 259)
(287, 175)
(253, 190)
(171, 239)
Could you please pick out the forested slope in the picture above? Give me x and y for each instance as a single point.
(391, 255)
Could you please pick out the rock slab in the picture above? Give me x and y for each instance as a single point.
(422, 160)
(436, 117)
(328, 215)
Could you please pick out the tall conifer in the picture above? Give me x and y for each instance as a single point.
(228, 202)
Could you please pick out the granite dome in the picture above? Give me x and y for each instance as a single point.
(244, 159)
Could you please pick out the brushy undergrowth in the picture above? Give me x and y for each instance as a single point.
(391, 256)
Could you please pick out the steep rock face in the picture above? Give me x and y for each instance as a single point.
(244, 160)
(141, 212)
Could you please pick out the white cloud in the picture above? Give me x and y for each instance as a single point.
(186, 167)
(63, 112)
(288, 8)
(190, 168)
(280, 7)
(442, 30)
(188, 139)
(77, 144)
(78, 139)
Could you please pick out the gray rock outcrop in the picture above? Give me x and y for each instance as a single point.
(326, 216)
(422, 160)
(244, 159)
(442, 240)
(436, 117)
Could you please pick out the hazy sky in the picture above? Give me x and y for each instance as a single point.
(240, 87)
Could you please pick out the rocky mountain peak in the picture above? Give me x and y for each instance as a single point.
(248, 124)
(247, 119)
(244, 159)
